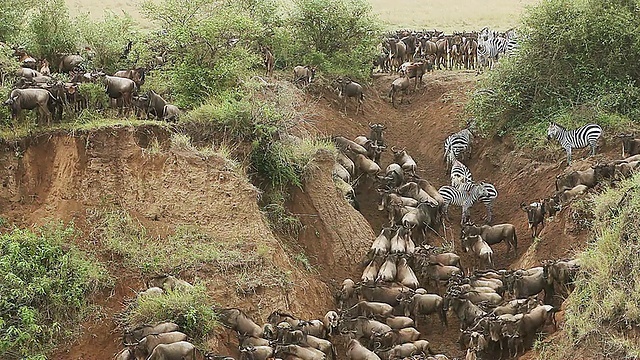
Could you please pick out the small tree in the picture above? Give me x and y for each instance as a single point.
(338, 34)
(50, 30)
(11, 18)
(107, 38)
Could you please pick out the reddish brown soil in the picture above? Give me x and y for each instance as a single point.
(61, 176)
(434, 112)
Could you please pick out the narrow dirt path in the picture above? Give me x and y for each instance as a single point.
(433, 112)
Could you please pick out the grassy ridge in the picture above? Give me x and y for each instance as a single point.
(605, 304)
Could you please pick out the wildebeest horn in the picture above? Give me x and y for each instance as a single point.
(393, 148)
(371, 125)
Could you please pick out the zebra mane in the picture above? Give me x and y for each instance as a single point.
(558, 125)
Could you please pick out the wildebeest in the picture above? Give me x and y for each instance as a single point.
(121, 89)
(180, 350)
(535, 216)
(145, 347)
(159, 107)
(29, 99)
(356, 351)
(400, 84)
(169, 283)
(303, 74)
(138, 75)
(69, 62)
(269, 61)
(493, 234)
(350, 89)
(630, 145)
(139, 333)
(237, 320)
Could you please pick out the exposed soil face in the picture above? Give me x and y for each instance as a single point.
(59, 176)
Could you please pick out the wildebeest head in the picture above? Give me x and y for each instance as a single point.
(10, 101)
(535, 212)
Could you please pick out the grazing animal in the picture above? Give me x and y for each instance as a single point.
(169, 283)
(269, 61)
(535, 216)
(303, 74)
(405, 160)
(480, 248)
(144, 347)
(464, 197)
(575, 139)
(139, 333)
(493, 234)
(460, 174)
(356, 351)
(237, 320)
(29, 99)
(400, 84)
(121, 89)
(630, 145)
(575, 178)
(138, 75)
(180, 350)
(350, 89)
(458, 146)
(44, 68)
(69, 62)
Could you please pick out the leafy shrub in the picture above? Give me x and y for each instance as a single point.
(338, 36)
(191, 309)
(95, 95)
(573, 54)
(606, 299)
(50, 30)
(107, 38)
(44, 285)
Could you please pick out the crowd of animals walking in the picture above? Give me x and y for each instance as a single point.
(53, 93)
(407, 276)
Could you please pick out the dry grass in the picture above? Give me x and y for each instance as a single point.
(440, 14)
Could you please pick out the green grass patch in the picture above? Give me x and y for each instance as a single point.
(248, 266)
(45, 284)
(192, 309)
(606, 301)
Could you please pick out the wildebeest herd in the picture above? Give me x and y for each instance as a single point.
(53, 93)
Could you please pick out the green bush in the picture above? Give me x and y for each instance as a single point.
(44, 285)
(191, 309)
(606, 301)
(50, 30)
(95, 95)
(107, 38)
(573, 54)
(12, 17)
(339, 37)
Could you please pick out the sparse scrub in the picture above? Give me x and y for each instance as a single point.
(192, 310)
(50, 31)
(605, 302)
(187, 248)
(44, 285)
(575, 66)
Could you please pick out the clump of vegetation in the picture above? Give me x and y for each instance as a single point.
(187, 248)
(193, 310)
(606, 301)
(45, 286)
(576, 65)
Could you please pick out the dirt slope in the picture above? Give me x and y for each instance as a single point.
(61, 176)
(434, 112)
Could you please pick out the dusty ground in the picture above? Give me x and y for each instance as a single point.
(62, 176)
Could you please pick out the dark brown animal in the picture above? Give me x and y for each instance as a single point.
(535, 216)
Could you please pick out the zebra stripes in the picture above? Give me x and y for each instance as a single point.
(489, 50)
(575, 139)
(467, 195)
(488, 199)
(460, 174)
(455, 145)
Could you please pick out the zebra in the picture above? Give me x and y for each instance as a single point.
(512, 45)
(489, 50)
(465, 197)
(575, 139)
(488, 199)
(457, 144)
(460, 174)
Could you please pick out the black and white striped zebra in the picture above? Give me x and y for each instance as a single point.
(465, 197)
(488, 199)
(490, 50)
(575, 139)
(457, 146)
(460, 174)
